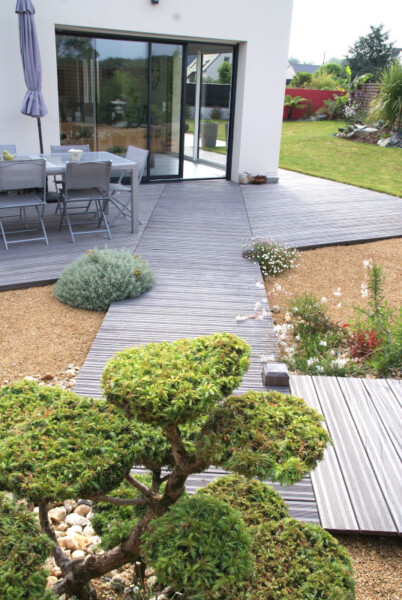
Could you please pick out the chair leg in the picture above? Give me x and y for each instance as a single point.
(3, 234)
(100, 208)
(42, 223)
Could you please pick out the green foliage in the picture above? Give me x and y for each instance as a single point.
(55, 445)
(294, 102)
(325, 81)
(382, 320)
(225, 72)
(335, 108)
(101, 277)
(200, 546)
(115, 523)
(317, 345)
(371, 53)
(273, 257)
(256, 501)
(23, 550)
(297, 561)
(301, 80)
(263, 434)
(333, 68)
(175, 382)
(215, 114)
(387, 105)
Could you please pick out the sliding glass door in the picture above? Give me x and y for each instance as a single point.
(173, 99)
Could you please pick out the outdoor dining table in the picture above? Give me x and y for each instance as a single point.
(56, 165)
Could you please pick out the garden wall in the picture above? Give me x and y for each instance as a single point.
(316, 98)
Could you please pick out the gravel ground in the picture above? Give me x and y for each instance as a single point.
(47, 340)
(324, 270)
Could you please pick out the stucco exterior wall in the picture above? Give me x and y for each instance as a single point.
(261, 27)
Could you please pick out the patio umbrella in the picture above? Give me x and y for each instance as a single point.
(33, 103)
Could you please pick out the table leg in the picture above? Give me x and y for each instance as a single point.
(135, 217)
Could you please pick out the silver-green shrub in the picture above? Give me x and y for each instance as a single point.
(100, 277)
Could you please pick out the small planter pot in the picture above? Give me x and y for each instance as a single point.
(258, 179)
(209, 133)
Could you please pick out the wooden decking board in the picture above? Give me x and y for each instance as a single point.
(364, 491)
(333, 502)
(389, 410)
(380, 451)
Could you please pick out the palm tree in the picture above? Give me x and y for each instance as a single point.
(387, 105)
(293, 102)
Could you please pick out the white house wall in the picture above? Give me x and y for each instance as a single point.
(261, 27)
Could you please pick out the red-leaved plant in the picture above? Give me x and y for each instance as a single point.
(363, 342)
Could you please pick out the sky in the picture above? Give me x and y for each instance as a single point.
(328, 28)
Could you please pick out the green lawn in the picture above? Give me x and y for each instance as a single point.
(308, 147)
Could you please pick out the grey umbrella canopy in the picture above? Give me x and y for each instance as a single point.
(33, 103)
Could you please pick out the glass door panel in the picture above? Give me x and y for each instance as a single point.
(122, 94)
(165, 109)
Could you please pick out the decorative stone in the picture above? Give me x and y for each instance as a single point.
(87, 502)
(89, 531)
(275, 375)
(82, 510)
(75, 542)
(74, 519)
(69, 505)
(275, 309)
(62, 527)
(47, 377)
(74, 529)
(77, 554)
(58, 514)
(56, 572)
(51, 581)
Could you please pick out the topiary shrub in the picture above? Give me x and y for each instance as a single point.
(256, 501)
(200, 546)
(297, 561)
(178, 381)
(55, 445)
(115, 523)
(23, 550)
(101, 277)
(264, 434)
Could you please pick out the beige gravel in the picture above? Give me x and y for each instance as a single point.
(40, 335)
(324, 270)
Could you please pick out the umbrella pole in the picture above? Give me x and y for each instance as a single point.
(40, 136)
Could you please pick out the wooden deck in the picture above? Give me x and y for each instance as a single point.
(358, 485)
(306, 212)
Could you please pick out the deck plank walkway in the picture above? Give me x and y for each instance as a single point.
(192, 243)
(364, 455)
(307, 212)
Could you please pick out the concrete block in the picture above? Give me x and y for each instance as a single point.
(275, 375)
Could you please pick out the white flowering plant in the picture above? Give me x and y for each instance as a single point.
(273, 257)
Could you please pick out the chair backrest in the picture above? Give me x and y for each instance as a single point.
(138, 155)
(11, 148)
(62, 149)
(22, 174)
(84, 175)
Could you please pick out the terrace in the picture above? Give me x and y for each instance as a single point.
(191, 234)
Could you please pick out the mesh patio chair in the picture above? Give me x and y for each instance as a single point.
(120, 194)
(20, 181)
(58, 179)
(86, 182)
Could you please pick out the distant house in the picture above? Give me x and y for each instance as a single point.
(210, 66)
(294, 68)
